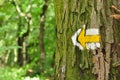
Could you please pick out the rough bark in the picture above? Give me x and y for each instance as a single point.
(74, 64)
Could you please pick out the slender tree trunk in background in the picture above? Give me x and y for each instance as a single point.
(15, 54)
(20, 43)
(7, 56)
(42, 26)
(22, 52)
(73, 64)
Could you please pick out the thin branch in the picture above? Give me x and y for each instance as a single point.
(27, 16)
(18, 8)
(29, 6)
(114, 7)
(116, 16)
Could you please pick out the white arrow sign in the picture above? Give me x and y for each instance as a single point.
(88, 39)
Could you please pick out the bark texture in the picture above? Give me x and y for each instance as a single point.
(74, 64)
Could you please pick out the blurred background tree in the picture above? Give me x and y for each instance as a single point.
(20, 54)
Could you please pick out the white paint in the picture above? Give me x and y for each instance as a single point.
(74, 39)
(92, 45)
(84, 26)
(92, 32)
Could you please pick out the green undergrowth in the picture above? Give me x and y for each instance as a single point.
(14, 73)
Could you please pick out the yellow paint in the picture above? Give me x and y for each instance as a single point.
(83, 39)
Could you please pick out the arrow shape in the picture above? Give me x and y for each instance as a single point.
(83, 39)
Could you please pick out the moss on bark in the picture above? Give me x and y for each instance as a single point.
(70, 62)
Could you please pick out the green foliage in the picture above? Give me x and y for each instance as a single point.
(13, 26)
(8, 73)
(11, 74)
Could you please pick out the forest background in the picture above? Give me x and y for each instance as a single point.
(27, 39)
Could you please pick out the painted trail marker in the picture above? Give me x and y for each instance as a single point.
(88, 39)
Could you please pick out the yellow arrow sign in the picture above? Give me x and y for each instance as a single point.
(83, 39)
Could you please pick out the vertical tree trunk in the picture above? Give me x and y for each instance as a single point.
(15, 56)
(20, 41)
(7, 56)
(42, 26)
(22, 52)
(71, 63)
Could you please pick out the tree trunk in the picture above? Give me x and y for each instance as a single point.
(71, 63)
(42, 26)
